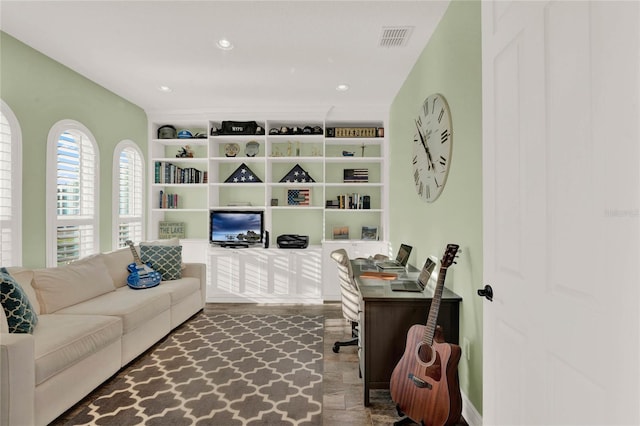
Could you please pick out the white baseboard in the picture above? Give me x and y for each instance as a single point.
(469, 412)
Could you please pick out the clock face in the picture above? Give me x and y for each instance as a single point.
(432, 147)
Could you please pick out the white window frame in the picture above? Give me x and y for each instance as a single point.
(52, 220)
(115, 202)
(15, 223)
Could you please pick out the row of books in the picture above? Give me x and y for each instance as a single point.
(349, 201)
(170, 173)
(168, 201)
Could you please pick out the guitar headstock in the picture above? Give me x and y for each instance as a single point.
(450, 253)
(129, 243)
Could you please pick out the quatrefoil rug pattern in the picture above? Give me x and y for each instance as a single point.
(218, 369)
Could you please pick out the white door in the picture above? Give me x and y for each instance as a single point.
(561, 118)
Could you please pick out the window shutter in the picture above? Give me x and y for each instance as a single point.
(6, 216)
(130, 196)
(76, 197)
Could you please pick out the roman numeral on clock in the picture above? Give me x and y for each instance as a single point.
(416, 176)
(440, 115)
(444, 136)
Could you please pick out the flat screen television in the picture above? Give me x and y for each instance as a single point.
(236, 227)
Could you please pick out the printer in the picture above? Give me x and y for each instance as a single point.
(293, 241)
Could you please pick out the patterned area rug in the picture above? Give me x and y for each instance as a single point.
(218, 369)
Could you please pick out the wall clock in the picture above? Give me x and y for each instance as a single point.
(432, 147)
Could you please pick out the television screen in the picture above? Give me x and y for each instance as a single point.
(229, 227)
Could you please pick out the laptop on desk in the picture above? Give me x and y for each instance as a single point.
(400, 262)
(421, 282)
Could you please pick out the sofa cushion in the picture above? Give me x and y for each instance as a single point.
(4, 326)
(179, 289)
(134, 307)
(165, 259)
(117, 262)
(68, 285)
(21, 317)
(63, 340)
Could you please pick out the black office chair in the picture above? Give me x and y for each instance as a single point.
(350, 296)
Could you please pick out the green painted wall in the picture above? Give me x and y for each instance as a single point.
(41, 92)
(451, 65)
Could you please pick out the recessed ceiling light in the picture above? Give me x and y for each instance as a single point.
(165, 89)
(224, 44)
(342, 87)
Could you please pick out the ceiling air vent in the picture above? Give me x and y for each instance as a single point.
(395, 36)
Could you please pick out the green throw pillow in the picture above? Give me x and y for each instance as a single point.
(164, 259)
(21, 317)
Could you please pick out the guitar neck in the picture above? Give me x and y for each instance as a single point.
(430, 328)
(134, 252)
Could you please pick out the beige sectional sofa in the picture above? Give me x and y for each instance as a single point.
(90, 324)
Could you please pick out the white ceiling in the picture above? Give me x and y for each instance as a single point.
(287, 53)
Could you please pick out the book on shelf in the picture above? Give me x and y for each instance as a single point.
(355, 175)
(168, 201)
(166, 172)
(352, 201)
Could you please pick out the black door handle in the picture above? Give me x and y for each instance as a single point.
(487, 292)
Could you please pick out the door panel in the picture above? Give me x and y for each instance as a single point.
(561, 188)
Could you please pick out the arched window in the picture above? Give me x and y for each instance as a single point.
(72, 193)
(10, 188)
(128, 194)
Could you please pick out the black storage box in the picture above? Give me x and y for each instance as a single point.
(239, 128)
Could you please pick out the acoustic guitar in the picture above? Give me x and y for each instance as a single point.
(141, 275)
(424, 384)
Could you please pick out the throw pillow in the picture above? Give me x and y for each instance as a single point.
(164, 259)
(167, 242)
(21, 317)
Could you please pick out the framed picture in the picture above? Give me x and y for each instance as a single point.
(340, 232)
(299, 197)
(369, 233)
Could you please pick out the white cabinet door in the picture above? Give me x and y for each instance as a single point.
(237, 275)
(306, 273)
(265, 276)
(330, 283)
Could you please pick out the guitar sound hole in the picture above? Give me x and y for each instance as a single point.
(425, 353)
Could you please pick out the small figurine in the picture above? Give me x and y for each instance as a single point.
(185, 152)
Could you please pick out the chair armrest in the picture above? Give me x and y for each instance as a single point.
(17, 379)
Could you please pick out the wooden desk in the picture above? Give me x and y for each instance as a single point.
(385, 319)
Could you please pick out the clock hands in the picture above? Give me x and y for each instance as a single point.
(426, 148)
